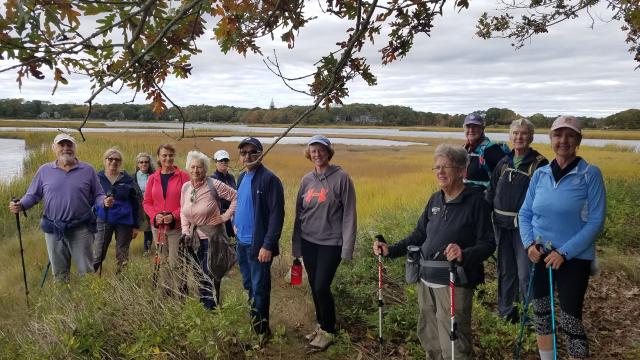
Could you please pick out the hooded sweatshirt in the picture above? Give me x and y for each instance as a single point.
(326, 211)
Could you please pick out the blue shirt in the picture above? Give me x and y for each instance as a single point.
(243, 219)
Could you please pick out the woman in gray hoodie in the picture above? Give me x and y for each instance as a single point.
(324, 232)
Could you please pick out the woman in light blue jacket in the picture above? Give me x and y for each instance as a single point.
(564, 211)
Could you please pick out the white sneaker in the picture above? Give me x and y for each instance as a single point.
(322, 340)
(312, 336)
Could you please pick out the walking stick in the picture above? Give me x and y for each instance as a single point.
(45, 271)
(547, 249)
(24, 270)
(452, 286)
(103, 254)
(380, 238)
(525, 312)
(160, 243)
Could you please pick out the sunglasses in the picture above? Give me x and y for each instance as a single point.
(113, 159)
(193, 195)
(143, 162)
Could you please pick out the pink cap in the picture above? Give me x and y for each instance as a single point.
(567, 121)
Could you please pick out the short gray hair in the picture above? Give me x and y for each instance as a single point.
(198, 156)
(456, 154)
(523, 122)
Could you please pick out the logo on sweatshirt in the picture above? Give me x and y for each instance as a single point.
(320, 196)
(435, 210)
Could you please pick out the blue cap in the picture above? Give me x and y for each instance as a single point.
(473, 119)
(251, 140)
(319, 139)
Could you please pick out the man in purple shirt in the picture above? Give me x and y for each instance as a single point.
(69, 188)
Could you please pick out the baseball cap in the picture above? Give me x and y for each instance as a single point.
(473, 119)
(221, 155)
(63, 137)
(567, 121)
(251, 140)
(319, 139)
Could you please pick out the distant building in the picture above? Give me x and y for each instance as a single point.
(367, 119)
(272, 105)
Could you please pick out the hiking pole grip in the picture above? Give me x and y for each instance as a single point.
(16, 200)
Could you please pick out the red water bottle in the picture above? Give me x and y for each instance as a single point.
(296, 272)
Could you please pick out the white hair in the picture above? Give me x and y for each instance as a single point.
(198, 156)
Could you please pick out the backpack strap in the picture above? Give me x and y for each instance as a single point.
(214, 192)
(534, 164)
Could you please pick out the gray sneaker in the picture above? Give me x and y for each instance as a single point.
(322, 340)
(312, 336)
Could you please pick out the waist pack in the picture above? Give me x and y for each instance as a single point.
(437, 272)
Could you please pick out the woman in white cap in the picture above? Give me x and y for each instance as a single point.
(222, 174)
(561, 217)
(324, 232)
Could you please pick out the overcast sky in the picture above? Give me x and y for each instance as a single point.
(573, 69)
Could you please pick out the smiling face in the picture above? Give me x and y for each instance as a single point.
(166, 157)
(520, 137)
(565, 142)
(473, 133)
(196, 170)
(112, 163)
(65, 151)
(143, 164)
(222, 165)
(319, 155)
(248, 155)
(448, 175)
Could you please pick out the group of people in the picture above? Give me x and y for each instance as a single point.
(544, 217)
(539, 214)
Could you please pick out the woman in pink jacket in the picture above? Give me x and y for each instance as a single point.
(162, 205)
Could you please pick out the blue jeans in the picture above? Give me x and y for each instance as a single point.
(256, 279)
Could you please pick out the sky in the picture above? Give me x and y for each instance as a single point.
(571, 70)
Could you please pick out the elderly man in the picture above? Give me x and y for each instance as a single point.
(509, 184)
(484, 154)
(70, 188)
(258, 226)
(222, 174)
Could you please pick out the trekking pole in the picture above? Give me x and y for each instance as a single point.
(45, 271)
(103, 254)
(452, 287)
(525, 312)
(553, 313)
(15, 200)
(381, 239)
(160, 242)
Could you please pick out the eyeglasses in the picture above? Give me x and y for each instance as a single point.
(193, 195)
(113, 159)
(438, 168)
(249, 153)
(143, 162)
(224, 160)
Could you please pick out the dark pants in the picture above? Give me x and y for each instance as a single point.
(207, 282)
(256, 279)
(571, 280)
(103, 239)
(321, 262)
(513, 271)
(148, 240)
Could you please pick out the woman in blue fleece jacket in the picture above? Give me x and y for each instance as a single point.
(564, 207)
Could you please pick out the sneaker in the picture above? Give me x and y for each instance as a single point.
(312, 336)
(322, 340)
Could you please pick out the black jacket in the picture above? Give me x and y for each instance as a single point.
(268, 207)
(483, 159)
(465, 221)
(224, 203)
(509, 187)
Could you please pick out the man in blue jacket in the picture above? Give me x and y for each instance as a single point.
(258, 226)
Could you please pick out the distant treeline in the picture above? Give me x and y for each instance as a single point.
(368, 114)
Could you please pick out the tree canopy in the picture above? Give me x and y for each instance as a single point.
(139, 44)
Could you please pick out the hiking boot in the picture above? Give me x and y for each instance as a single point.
(312, 336)
(322, 340)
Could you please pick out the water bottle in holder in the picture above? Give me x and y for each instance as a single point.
(296, 272)
(412, 266)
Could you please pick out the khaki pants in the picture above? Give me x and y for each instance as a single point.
(434, 322)
(170, 267)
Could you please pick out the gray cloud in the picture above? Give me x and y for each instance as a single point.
(572, 69)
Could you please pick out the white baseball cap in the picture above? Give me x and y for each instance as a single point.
(63, 137)
(220, 155)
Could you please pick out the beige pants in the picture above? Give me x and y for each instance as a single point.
(170, 267)
(434, 322)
